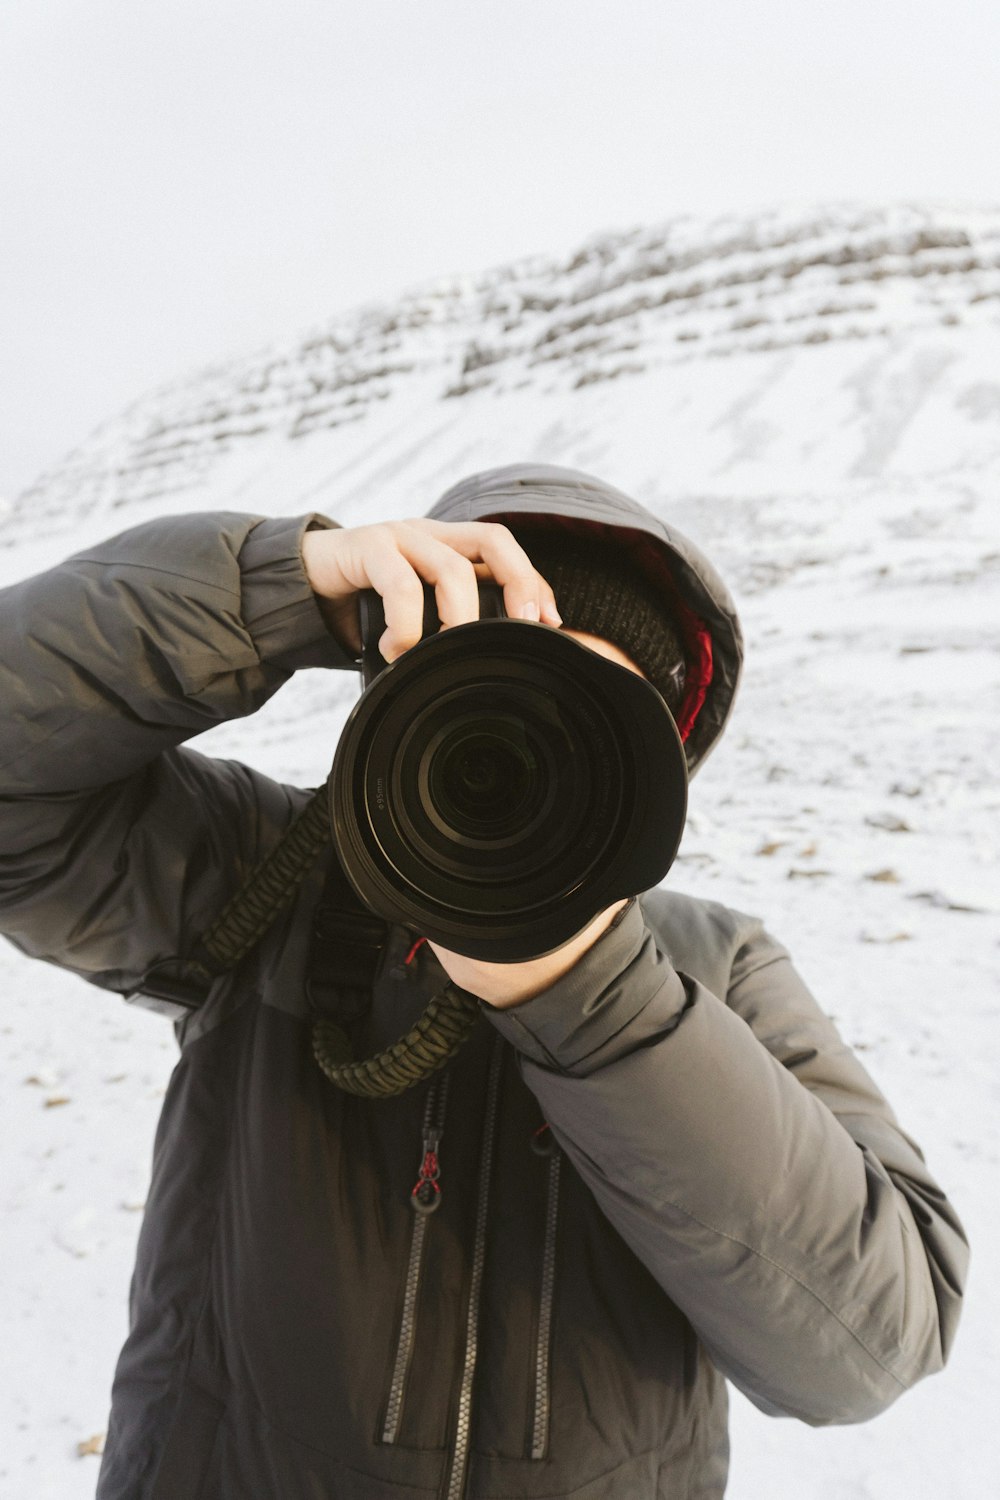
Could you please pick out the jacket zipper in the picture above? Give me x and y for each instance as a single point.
(424, 1198)
(540, 1425)
(453, 1487)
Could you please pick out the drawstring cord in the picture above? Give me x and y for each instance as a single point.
(413, 951)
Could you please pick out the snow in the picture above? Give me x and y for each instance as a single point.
(846, 489)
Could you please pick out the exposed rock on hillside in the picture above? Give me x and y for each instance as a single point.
(779, 345)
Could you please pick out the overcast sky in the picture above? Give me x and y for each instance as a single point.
(182, 181)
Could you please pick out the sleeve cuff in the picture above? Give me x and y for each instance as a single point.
(280, 610)
(618, 996)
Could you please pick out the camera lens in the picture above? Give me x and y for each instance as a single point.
(499, 782)
(486, 784)
(484, 778)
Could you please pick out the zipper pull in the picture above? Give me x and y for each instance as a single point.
(542, 1141)
(426, 1194)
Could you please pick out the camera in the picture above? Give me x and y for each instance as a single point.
(500, 784)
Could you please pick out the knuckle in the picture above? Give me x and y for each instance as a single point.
(524, 582)
(402, 577)
(410, 585)
(456, 568)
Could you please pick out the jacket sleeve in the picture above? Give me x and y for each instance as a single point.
(751, 1164)
(118, 845)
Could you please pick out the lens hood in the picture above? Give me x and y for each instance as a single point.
(500, 784)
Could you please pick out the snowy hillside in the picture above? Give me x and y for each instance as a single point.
(815, 398)
(785, 350)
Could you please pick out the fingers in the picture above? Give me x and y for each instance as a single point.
(526, 594)
(397, 557)
(399, 575)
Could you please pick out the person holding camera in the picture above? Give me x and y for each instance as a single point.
(422, 1222)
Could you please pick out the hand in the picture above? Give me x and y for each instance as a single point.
(396, 558)
(503, 985)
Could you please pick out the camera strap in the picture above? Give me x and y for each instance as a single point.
(345, 947)
(176, 986)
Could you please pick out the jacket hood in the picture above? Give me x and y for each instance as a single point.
(524, 495)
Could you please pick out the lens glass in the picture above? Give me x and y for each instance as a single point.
(485, 783)
(492, 788)
(484, 778)
(491, 795)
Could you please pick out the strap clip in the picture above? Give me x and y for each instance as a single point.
(344, 960)
(173, 987)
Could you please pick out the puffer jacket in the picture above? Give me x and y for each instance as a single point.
(665, 1171)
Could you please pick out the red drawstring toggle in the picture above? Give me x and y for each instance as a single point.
(413, 951)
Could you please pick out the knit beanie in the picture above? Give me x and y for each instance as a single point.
(600, 592)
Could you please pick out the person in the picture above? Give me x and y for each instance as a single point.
(656, 1166)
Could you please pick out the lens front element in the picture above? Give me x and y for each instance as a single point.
(491, 793)
(483, 778)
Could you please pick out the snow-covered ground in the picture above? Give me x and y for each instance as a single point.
(847, 489)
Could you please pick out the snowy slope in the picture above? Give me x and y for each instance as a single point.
(790, 350)
(815, 398)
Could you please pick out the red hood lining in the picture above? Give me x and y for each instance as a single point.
(650, 557)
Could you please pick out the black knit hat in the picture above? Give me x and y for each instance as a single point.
(599, 591)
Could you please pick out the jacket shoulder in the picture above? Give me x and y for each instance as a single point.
(701, 938)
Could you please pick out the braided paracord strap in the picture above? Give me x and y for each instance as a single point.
(271, 886)
(446, 1023)
(430, 1043)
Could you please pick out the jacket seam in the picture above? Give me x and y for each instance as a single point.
(769, 1260)
(565, 1068)
(765, 963)
(29, 751)
(244, 1394)
(663, 1456)
(121, 564)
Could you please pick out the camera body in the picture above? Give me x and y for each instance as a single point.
(500, 784)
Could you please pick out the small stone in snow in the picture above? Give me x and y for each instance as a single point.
(56, 1099)
(944, 903)
(45, 1078)
(889, 823)
(886, 877)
